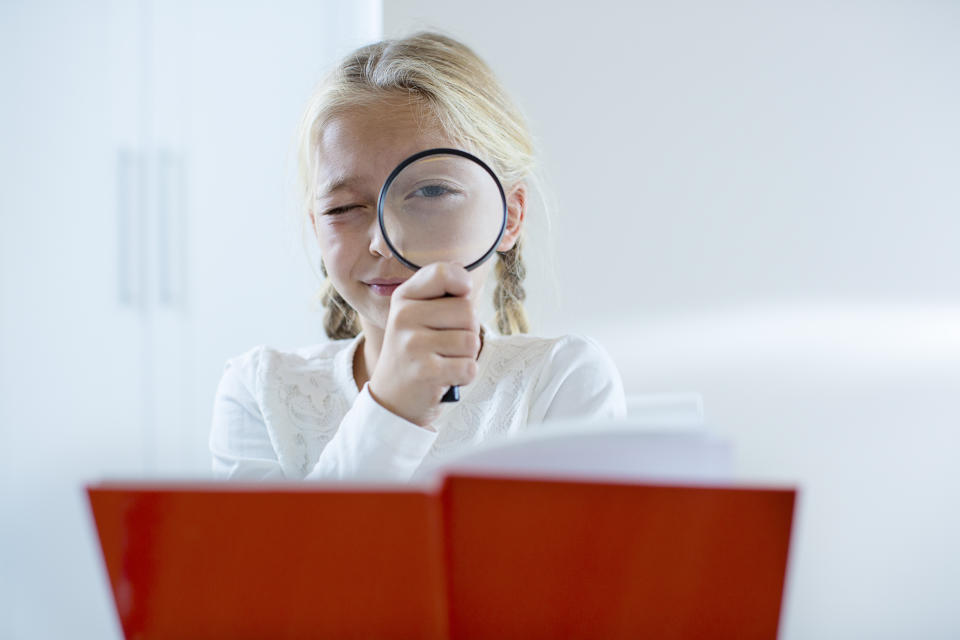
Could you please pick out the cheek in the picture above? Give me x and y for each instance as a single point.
(338, 244)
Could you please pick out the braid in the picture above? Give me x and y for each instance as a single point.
(340, 320)
(509, 295)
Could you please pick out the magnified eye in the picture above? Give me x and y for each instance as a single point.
(434, 190)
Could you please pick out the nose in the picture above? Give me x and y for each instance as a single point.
(378, 246)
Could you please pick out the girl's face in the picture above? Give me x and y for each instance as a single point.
(357, 151)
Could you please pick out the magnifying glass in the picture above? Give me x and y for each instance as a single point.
(442, 205)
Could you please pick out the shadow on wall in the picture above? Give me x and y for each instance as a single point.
(809, 346)
(858, 407)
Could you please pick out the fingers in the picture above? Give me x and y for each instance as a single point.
(415, 370)
(438, 314)
(457, 371)
(435, 281)
(452, 343)
(436, 297)
(431, 342)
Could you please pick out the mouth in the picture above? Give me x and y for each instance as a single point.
(384, 286)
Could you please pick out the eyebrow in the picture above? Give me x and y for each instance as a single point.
(342, 182)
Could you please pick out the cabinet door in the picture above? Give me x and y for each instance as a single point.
(71, 310)
(115, 321)
(72, 211)
(169, 56)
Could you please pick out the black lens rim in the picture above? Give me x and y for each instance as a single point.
(434, 152)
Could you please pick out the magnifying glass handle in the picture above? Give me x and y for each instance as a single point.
(452, 395)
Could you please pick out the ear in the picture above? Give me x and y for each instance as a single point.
(516, 212)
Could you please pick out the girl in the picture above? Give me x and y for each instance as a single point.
(367, 403)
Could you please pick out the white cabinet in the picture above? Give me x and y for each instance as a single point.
(148, 231)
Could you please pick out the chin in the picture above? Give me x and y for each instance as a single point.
(374, 315)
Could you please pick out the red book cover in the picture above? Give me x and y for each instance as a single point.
(481, 557)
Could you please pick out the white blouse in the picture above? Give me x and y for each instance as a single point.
(300, 414)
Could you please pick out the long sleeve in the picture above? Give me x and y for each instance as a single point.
(373, 443)
(370, 443)
(299, 415)
(579, 381)
(239, 441)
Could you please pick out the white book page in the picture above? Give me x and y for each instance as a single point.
(623, 450)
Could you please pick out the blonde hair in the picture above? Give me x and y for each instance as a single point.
(472, 108)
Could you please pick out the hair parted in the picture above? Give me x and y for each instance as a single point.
(473, 109)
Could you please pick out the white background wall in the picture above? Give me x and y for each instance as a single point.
(712, 155)
(755, 202)
(759, 202)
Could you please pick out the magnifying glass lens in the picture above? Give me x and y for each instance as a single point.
(442, 205)
(443, 208)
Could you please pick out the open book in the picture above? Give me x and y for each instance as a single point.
(470, 554)
(615, 450)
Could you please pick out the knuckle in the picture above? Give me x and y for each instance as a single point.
(407, 340)
(473, 326)
(472, 343)
(421, 369)
(469, 370)
(421, 342)
(462, 276)
(464, 310)
(400, 293)
(418, 279)
(399, 307)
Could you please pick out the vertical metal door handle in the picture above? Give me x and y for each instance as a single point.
(165, 169)
(129, 204)
(171, 230)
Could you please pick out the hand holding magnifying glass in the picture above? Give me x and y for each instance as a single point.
(442, 205)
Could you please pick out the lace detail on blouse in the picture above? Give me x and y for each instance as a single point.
(301, 407)
(494, 404)
(303, 397)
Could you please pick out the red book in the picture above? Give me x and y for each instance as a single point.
(479, 557)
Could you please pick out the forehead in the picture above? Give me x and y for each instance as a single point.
(360, 146)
